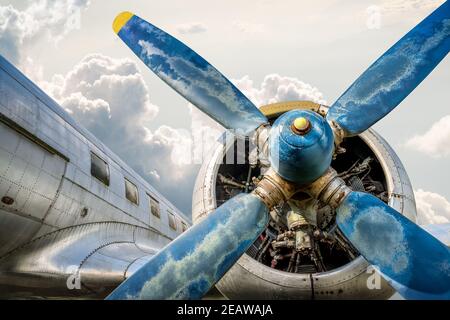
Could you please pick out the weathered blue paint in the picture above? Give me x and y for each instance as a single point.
(300, 158)
(191, 76)
(413, 261)
(394, 75)
(190, 265)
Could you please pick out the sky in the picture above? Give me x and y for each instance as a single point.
(272, 50)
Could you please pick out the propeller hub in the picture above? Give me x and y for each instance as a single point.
(301, 146)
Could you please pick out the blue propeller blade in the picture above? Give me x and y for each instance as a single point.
(191, 264)
(415, 263)
(189, 74)
(394, 75)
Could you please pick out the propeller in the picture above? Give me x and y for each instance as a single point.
(415, 263)
(189, 74)
(190, 265)
(300, 150)
(394, 75)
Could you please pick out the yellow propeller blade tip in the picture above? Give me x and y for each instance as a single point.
(121, 20)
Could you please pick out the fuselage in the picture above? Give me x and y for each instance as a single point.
(69, 206)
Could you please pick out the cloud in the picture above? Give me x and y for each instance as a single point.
(400, 6)
(434, 142)
(276, 88)
(89, 112)
(110, 98)
(49, 20)
(155, 175)
(248, 27)
(190, 28)
(431, 207)
(100, 84)
(273, 88)
(388, 12)
(107, 96)
(204, 132)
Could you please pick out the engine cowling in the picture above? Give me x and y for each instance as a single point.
(329, 267)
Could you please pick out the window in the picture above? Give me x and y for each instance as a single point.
(154, 206)
(99, 169)
(183, 226)
(172, 222)
(131, 192)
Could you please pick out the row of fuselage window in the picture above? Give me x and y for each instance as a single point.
(100, 170)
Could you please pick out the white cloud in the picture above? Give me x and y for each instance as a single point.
(434, 142)
(276, 88)
(48, 20)
(107, 96)
(400, 6)
(155, 175)
(110, 98)
(248, 27)
(89, 112)
(189, 28)
(431, 207)
(388, 12)
(98, 82)
(204, 132)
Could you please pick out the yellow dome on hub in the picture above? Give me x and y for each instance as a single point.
(301, 124)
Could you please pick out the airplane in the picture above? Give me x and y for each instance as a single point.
(75, 220)
(319, 199)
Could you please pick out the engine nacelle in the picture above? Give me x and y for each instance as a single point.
(331, 268)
